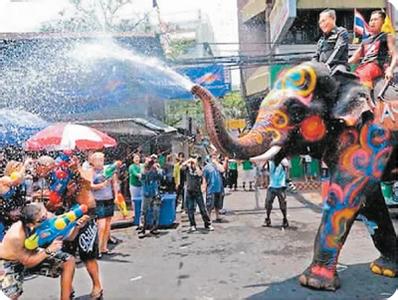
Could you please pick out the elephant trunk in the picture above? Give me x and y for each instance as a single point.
(255, 143)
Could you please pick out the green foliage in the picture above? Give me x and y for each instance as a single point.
(177, 109)
(180, 47)
(233, 107)
(97, 15)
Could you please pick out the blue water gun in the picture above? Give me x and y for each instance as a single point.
(54, 227)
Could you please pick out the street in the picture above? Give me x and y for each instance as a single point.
(240, 259)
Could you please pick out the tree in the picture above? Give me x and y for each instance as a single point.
(234, 107)
(180, 47)
(98, 15)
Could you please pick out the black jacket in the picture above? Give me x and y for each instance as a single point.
(332, 48)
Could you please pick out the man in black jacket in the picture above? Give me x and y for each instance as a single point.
(194, 195)
(332, 47)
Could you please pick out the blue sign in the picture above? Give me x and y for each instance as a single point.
(213, 77)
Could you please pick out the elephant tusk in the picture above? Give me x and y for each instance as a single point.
(269, 154)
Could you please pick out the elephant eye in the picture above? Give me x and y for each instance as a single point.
(296, 111)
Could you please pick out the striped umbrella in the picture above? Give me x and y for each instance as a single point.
(67, 136)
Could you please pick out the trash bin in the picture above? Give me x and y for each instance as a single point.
(167, 210)
(386, 189)
(395, 193)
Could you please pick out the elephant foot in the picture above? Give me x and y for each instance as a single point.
(384, 266)
(320, 278)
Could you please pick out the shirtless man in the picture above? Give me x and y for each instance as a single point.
(50, 262)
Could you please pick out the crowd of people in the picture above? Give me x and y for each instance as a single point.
(34, 190)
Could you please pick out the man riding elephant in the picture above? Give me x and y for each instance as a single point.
(332, 47)
(310, 112)
(377, 55)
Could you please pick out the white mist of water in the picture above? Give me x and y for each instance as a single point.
(86, 53)
(57, 81)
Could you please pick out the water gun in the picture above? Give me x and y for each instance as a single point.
(109, 170)
(59, 179)
(55, 227)
(121, 204)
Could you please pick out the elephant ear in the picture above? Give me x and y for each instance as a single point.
(352, 101)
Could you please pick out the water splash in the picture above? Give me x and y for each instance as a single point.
(70, 78)
(87, 53)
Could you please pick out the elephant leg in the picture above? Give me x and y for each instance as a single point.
(380, 226)
(335, 226)
(358, 169)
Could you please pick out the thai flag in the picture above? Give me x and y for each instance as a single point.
(361, 28)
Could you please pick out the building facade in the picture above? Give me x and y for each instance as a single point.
(188, 35)
(288, 29)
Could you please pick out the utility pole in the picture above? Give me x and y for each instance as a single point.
(268, 9)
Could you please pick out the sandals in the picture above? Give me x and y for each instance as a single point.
(114, 241)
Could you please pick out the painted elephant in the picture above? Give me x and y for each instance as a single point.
(333, 119)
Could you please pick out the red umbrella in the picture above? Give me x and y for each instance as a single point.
(66, 136)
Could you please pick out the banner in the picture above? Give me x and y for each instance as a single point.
(213, 77)
(235, 123)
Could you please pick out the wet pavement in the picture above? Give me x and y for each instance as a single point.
(240, 259)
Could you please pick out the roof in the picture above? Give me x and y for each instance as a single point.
(63, 35)
(131, 126)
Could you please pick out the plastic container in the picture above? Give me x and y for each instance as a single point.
(167, 210)
(386, 189)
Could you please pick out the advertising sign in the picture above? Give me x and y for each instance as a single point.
(215, 78)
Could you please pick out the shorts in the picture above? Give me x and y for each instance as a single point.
(86, 242)
(214, 200)
(11, 278)
(51, 266)
(12, 273)
(280, 193)
(368, 73)
(104, 208)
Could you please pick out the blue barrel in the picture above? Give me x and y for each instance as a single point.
(167, 210)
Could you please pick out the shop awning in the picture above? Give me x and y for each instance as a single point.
(131, 126)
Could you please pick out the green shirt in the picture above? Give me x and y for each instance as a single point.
(162, 160)
(134, 170)
(247, 165)
(232, 165)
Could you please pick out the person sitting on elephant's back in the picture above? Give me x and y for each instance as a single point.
(332, 47)
(375, 52)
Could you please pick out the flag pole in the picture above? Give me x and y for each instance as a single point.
(353, 25)
(355, 39)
